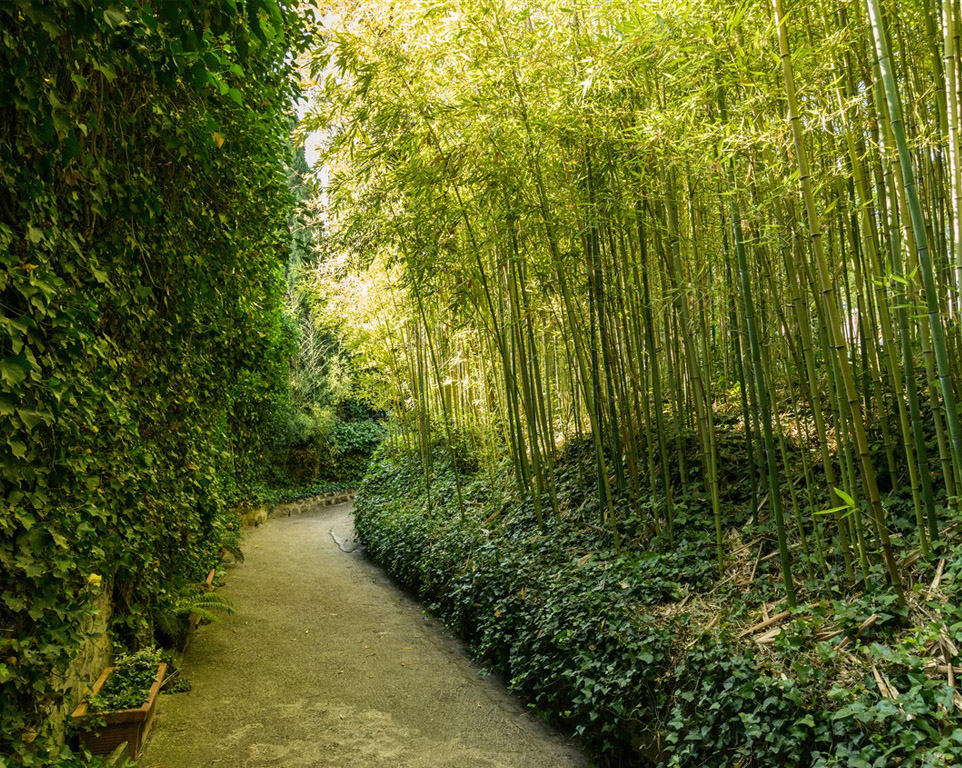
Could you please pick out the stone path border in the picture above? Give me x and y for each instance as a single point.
(300, 506)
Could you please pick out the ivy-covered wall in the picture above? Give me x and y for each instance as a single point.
(143, 228)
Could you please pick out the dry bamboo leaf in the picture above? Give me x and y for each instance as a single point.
(937, 580)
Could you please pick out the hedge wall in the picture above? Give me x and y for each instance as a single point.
(143, 210)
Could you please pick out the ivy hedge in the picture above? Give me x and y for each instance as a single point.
(143, 230)
(639, 651)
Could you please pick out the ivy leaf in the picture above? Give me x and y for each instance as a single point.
(199, 75)
(32, 419)
(13, 601)
(115, 16)
(14, 370)
(106, 69)
(18, 449)
(61, 121)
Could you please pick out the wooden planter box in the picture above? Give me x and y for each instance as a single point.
(130, 725)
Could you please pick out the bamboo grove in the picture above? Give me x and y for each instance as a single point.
(648, 223)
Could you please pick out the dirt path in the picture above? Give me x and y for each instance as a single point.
(327, 663)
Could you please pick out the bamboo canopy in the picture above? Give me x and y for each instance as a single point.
(720, 243)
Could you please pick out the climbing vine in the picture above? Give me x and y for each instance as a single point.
(143, 226)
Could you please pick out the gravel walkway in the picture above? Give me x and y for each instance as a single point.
(327, 663)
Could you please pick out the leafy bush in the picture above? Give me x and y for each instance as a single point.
(577, 650)
(319, 446)
(726, 708)
(350, 445)
(596, 641)
(264, 495)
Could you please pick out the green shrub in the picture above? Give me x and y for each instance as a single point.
(593, 639)
(577, 652)
(319, 446)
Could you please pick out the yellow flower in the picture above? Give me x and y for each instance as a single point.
(94, 579)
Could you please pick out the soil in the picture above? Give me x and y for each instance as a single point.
(328, 663)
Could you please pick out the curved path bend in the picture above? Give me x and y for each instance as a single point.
(327, 663)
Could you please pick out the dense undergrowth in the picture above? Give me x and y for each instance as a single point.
(319, 449)
(324, 432)
(644, 652)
